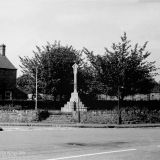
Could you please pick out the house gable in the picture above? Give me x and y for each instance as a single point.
(4, 62)
(7, 75)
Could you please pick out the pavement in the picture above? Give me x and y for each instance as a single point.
(70, 143)
(82, 125)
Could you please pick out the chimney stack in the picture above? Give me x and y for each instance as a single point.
(2, 49)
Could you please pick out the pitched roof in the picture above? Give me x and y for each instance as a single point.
(5, 63)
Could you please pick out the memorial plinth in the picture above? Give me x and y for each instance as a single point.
(75, 103)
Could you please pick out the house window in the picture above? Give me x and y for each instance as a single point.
(8, 95)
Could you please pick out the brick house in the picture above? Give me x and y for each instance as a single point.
(8, 73)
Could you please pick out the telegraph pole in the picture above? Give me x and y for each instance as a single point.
(119, 121)
(36, 88)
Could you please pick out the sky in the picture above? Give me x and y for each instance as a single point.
(94, 24)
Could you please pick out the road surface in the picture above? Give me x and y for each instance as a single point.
(42, 143)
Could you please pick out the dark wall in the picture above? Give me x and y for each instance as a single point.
(8, 83)
(19, 94)
(7, 79)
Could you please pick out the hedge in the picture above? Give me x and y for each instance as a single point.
(91, 104)
(112, 105)
(30, 104)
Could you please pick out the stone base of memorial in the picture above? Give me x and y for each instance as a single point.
(74, 104)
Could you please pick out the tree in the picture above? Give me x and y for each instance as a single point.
(25, 82)
(55, 72)
(124, 70)
(89, 87)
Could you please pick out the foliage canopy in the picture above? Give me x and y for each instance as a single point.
(55, 72)
(124, 68)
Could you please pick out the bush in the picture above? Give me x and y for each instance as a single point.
(42, 115)
(140, 115)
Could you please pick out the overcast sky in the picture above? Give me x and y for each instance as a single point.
(94, 24)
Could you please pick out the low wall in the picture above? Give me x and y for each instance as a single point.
(128, 116)
(134, 116)
(18, 116)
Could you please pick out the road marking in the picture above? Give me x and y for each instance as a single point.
(92, 154)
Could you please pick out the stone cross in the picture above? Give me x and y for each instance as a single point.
(75, 67)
